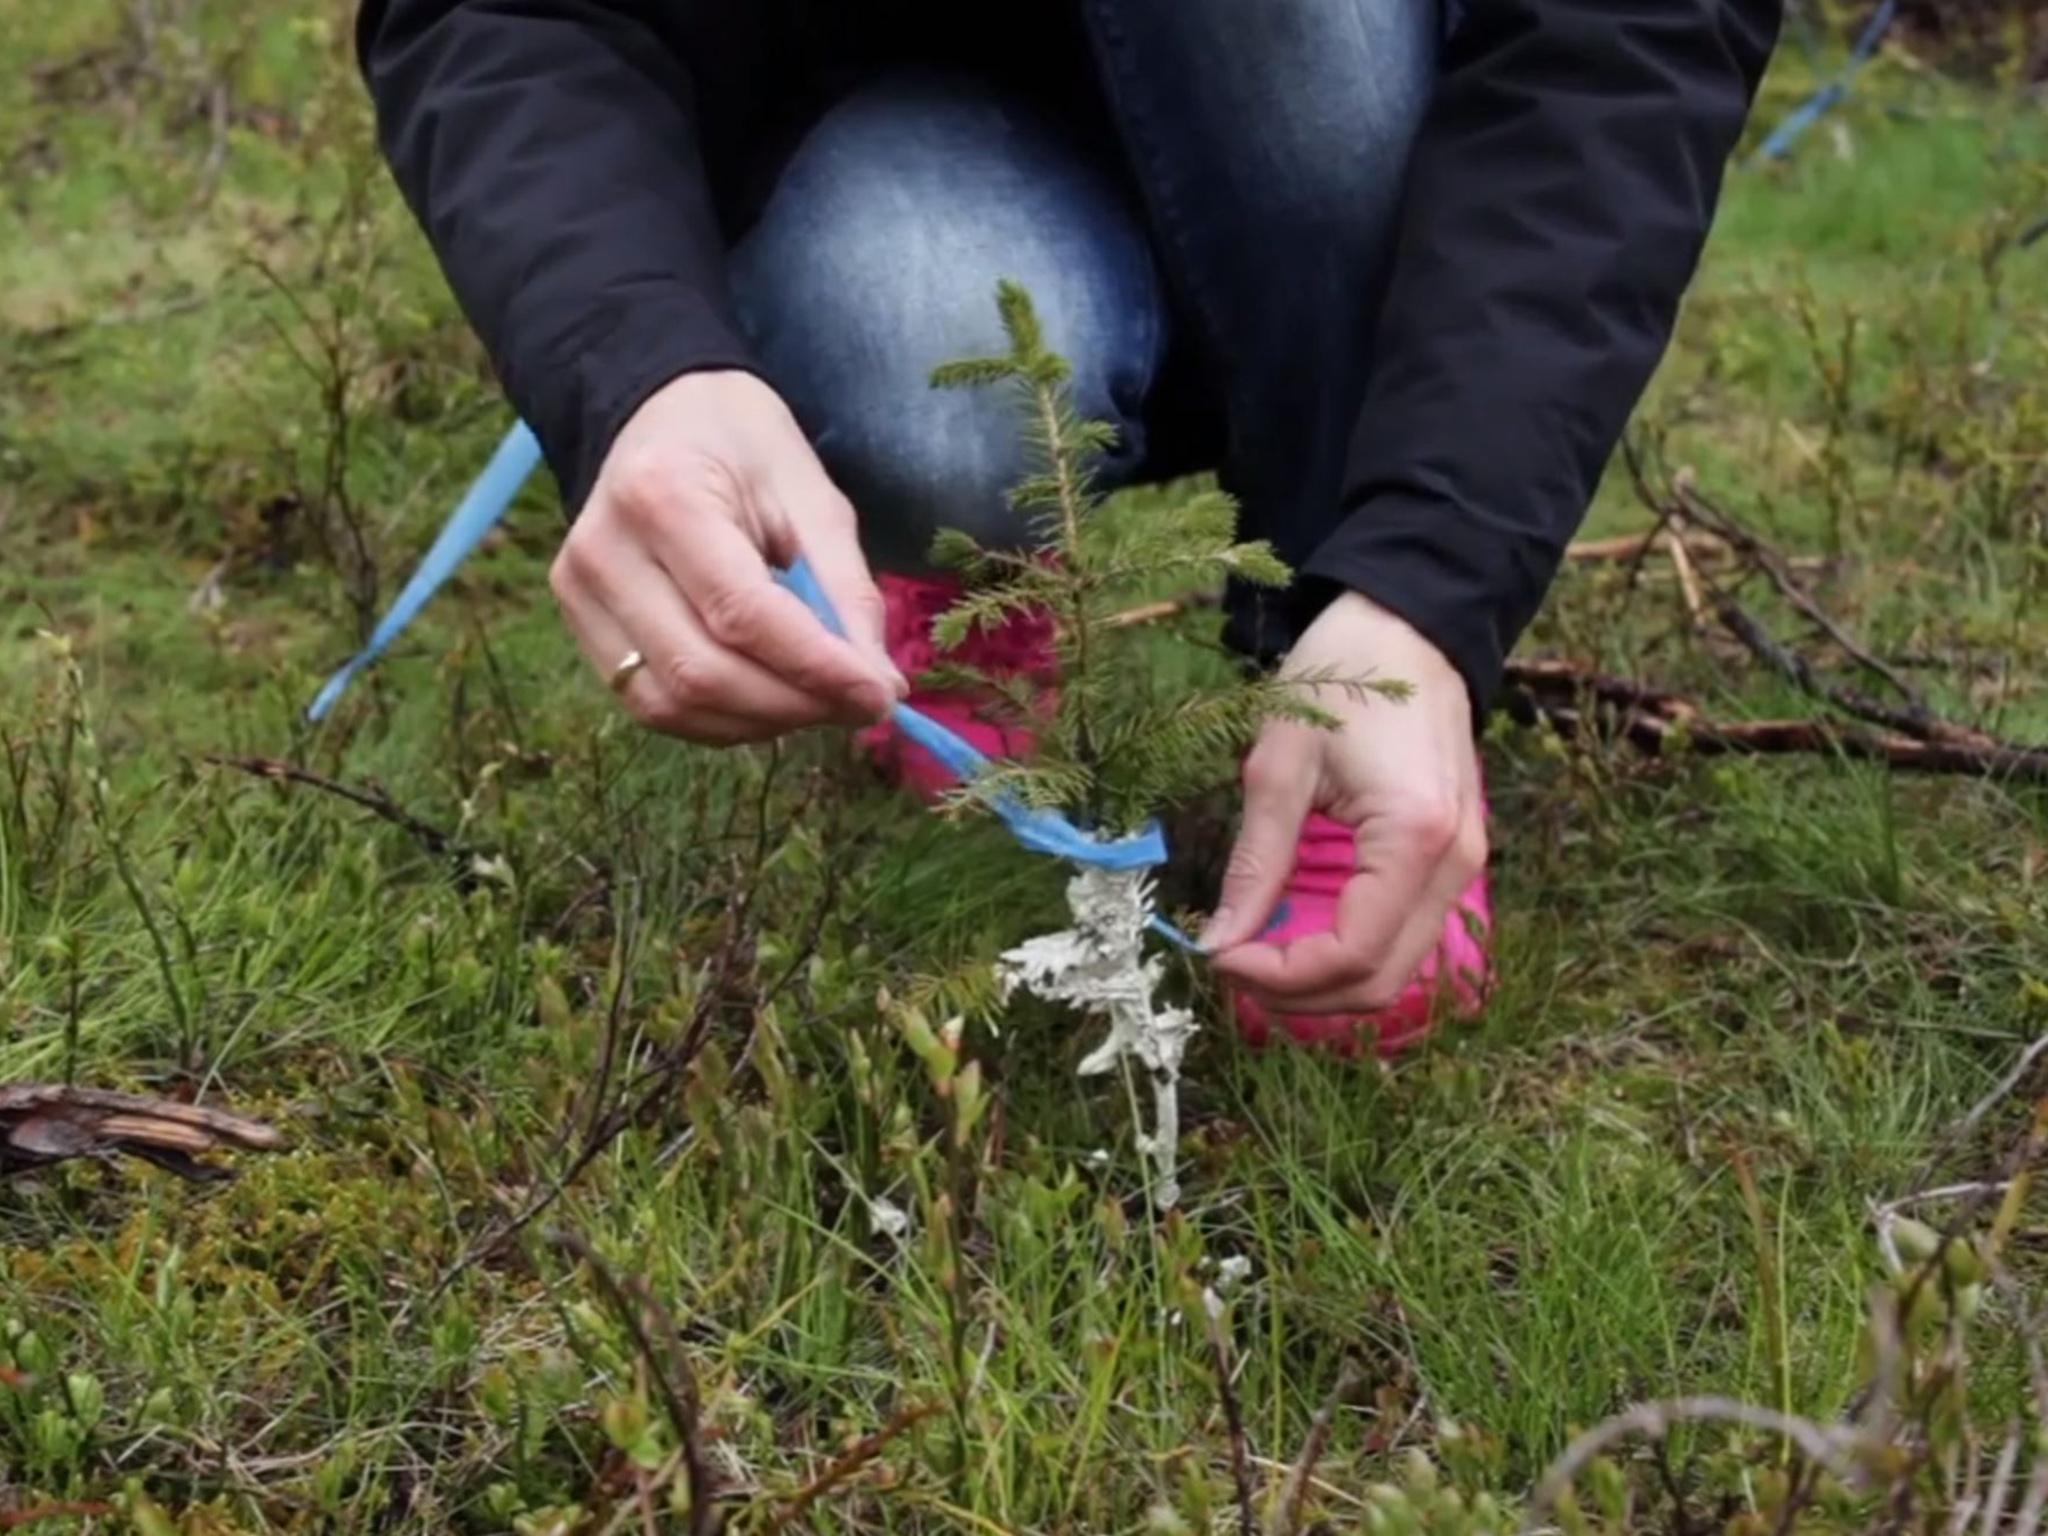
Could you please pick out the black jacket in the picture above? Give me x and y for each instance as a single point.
(580, 167)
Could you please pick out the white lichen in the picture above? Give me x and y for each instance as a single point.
(886, 1217)
(1099, 966)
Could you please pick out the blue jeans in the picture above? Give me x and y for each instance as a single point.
(1211, 270)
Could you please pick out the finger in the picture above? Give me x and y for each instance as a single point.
(1419, 937)
(741, 607)
(1278, 790)
(831, 541)
(604, 644)
(698, 673)
(1396, 868)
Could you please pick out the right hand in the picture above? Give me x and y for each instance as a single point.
(709, 482)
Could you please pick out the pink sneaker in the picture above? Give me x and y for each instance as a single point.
(1454, 979)
(1022, 647)
(1457, 974)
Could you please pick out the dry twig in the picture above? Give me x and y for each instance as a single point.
(1654, 720)
(1286, 1518)
(848, 1464)
(375, 801)
(1226, 1389)
(675, 1383)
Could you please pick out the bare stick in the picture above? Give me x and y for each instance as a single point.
(2006, 1084)
(378, 804)
(1697, 509)
(1915, 722)
(1953, 1137)
(2028, 1520)
(1240, 1465)
(848, 1463)
(1651, 718)
(2001, 1482)
(678, 1393)
(1688, 578)
(1286, 1518)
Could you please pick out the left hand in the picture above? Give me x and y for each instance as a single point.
(1404, 774)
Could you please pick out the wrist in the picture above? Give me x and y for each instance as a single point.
(1356, 631)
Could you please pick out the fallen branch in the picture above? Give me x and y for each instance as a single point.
(1686, 504)
(1910, 721)
(1688, 578)
(1656, 721)
(45, 1123)
(377, 803)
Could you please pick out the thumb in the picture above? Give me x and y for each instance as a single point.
(1277, 796)
(830, 538)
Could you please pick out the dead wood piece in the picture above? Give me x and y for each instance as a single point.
(1576, 699)
(45, 1123)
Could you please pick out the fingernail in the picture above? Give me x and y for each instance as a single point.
(1219, 922)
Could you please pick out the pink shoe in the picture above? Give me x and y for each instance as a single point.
(1022, 647)
(1455, 978)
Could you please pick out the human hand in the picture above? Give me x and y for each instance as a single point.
(1406, 776)
(709, 482)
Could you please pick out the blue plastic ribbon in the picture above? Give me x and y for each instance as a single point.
(1041, 831)
(1038, 829)
(474, 516)
(1816, 106)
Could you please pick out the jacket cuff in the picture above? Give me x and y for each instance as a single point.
(580, 389)
(1457, 579)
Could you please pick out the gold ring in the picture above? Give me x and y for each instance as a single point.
(622, 674)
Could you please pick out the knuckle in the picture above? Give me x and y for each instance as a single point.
(575, 562)
(1265, 772)
(1471, 850)
(810, 671)
(1432, 824)
(733, 615)
(640, 488)
(656, 712)
(689, 680)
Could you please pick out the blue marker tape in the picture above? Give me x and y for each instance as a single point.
(1815, 107)
(518, 455)
(1040, 830)
(474, 516)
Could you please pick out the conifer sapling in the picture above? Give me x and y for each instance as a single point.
(1121, 737)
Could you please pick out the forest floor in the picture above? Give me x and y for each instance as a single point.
(1741, 999)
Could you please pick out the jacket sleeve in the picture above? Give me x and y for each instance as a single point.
(1558, 198)
(548, 149)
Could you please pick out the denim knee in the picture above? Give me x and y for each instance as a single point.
(877, 258)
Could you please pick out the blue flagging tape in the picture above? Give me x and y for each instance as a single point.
(1041, 831)
(474, 516)
(1815, 107)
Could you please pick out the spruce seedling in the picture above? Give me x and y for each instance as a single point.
(1119, 742)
